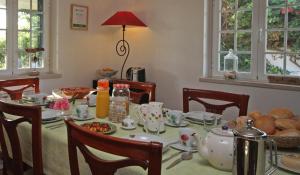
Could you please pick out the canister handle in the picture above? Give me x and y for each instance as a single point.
(273, 164)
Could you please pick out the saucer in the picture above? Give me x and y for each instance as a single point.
(182, 124)
(281, 165)
(82, 119)
(128, 128)
(181, 147)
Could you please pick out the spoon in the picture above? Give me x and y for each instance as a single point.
(184, 156)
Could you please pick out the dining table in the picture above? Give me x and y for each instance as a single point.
(56, 159)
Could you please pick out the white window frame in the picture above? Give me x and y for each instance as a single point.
(12, 39)
(258, 40)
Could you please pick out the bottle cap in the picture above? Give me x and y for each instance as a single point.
(103, 83)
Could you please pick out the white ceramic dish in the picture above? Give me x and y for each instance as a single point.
(181, 147)
(198, 117)
(50, 114)
(147, 138)
(82, 119)
(128, 128)
(182, 124)
(281, 165)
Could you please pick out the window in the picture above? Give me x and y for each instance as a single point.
(263, 34)
(23, 24)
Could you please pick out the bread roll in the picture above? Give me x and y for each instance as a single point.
(291, 161)
(255, 115)
(283, 124)
(297, 124)
(288, 132)
(266, 124)
(280, 113)
(241, 122)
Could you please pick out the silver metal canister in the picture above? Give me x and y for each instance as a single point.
(250, 146)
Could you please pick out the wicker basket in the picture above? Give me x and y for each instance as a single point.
(286, 141)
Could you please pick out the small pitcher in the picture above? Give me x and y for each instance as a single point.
(250, 152)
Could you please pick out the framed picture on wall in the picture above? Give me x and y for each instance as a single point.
(79, 17)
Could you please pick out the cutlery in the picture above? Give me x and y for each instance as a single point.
(171, 156)
(184, 156)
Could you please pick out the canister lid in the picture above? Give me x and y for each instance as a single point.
(249, 131)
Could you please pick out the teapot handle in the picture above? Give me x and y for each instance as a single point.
(273, 164)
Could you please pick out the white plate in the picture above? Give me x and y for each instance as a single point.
(82, 119)
(281, 165)
(181, 147)
(147, 138)
(50, 114)
(200, 116)
(182, 124)
(128, 128)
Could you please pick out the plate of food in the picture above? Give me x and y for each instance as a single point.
(290, 162)
(72, 92)
(101, 127)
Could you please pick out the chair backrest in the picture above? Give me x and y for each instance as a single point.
(143, 154)
(238, 100)
(140, 92)
(26, 83)
(31, 114)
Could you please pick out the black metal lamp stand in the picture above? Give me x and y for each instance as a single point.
(123, 50)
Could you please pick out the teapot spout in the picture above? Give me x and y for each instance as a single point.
(202, 146)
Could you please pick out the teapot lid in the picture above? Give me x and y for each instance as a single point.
(249, 131)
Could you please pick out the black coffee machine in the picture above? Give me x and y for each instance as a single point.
(136, 74)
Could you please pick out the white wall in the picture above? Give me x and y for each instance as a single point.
(171, 49)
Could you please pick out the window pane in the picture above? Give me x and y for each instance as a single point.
(3, 56)
(294, 17)
(277, 2)
(293, 64)
(293, 41)
(244, 19)
(244, 41)
(23, 21)
(275, 18)
(228, 20)
(228, 4)
(2, 3)
(274, 64)
(37, 23)
(227, 41)
(37, 39)
(2, 19)
(23, 40)
(37, 5)
(275, 41)
(244, 62)
(245, 4)
(24, 4)
(24, 60)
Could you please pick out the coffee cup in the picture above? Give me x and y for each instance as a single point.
(175, 117)
(128, 123)
(82, 111)
(186, 137)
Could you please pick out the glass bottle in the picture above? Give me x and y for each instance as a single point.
(102, 99)
(120, 102)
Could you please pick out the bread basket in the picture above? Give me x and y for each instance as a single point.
(286, 141)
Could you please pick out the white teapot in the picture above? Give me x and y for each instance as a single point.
(217, 148)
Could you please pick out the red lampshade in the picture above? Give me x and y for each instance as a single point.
(124, 18)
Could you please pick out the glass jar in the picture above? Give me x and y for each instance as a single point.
(119, 106)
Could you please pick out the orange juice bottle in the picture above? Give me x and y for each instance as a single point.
(102, 99)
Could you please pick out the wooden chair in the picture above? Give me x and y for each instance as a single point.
(31, 114)
(143, 154)
(24, 82)
(238, 100)
(140, 92)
